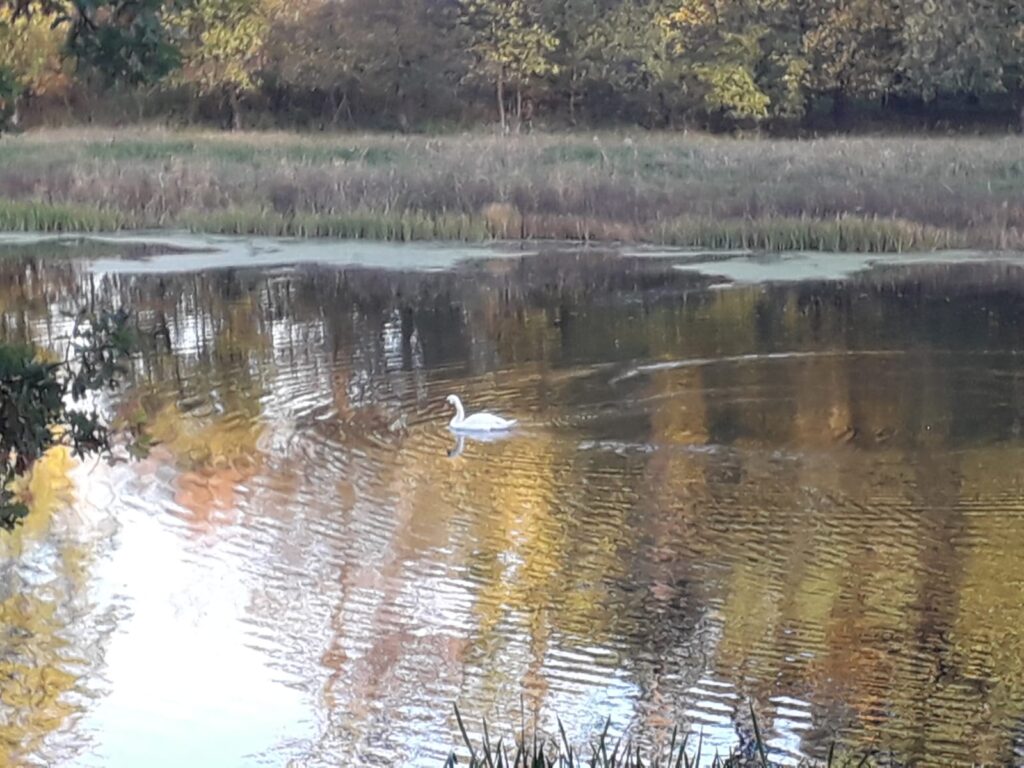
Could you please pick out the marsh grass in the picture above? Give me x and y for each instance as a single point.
(857, 194)
(369, 225)
(533, 750)
(32, 216)
(841, 234)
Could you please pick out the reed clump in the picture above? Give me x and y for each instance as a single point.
(840, 234)
(851, 194)
(33, 216)
(360, 225)
(525, 749)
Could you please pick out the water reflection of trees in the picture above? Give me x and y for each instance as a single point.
(841, 528)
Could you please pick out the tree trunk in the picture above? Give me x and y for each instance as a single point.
(234, 110)
(192, 111)
(932, 112)
(838, 107)
(805, 114)
(519, 108)
(501, 100)
(340, 104)
(572, 96)
(665, 110)
(332, 108)
(139, 97)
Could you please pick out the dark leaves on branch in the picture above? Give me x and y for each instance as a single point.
(44, 403)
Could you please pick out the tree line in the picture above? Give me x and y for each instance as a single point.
(713, 64)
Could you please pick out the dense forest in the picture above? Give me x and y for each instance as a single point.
(432, 64)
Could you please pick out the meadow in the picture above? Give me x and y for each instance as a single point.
(868, 194)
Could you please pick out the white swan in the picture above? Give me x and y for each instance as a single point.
(476, 422)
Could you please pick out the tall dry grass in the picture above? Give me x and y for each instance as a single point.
(833, 193)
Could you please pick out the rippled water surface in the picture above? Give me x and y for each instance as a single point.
(808, 495)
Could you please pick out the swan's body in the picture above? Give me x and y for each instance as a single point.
(476, 422)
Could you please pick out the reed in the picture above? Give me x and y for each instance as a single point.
(840, 234)
(524, 749)
(32, 216)
(851, 194)
(360, 225)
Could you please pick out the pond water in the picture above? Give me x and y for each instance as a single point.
(797, 483)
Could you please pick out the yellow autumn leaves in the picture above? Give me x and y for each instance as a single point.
(33, 49)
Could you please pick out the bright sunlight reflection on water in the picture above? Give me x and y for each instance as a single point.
(808, 495)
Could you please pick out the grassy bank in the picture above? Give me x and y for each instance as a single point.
(862, 194)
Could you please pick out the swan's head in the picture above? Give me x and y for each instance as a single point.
(453, 400)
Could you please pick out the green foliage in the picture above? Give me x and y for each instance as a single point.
(954, 46)
(508, 38)
(224, 40)
(744, 60)
(511, 45)
(404, 57)
(851, 46)
(125, 43)
(45, 403)
(396, 63)
(576, 58)
(32, 56)
(633, 52)
(733, 90)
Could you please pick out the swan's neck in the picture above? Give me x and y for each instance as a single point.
(460, 414)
